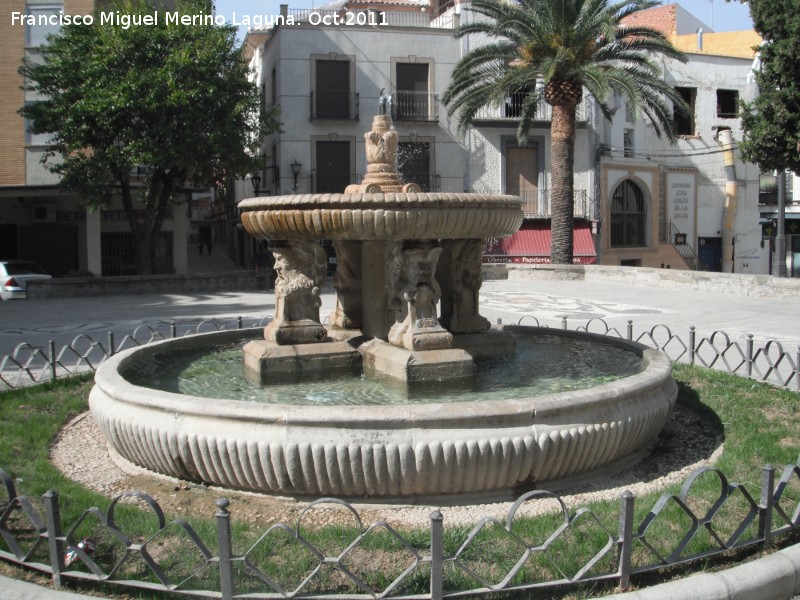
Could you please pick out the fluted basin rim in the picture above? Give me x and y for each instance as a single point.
(387, 451)
(381, 200)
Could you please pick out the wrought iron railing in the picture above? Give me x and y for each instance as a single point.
(511, 109)
(494, 555)
(765, 361)
(334, 105)
(414, 106)
(538, 204)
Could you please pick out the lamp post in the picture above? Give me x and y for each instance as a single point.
(255, 180)
(296, 166)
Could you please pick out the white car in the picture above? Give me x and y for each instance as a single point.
(15, 275)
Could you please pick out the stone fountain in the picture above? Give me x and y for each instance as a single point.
(407, 307)
(399, 253)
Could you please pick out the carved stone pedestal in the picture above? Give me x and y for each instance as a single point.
(267, 362)
(415, 367)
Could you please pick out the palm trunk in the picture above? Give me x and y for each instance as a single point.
(562, 197)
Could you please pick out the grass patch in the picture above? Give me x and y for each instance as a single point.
(760, 425)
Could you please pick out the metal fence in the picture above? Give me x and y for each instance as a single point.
(766, 361)
(493, 555)
(30, 365)
(378, 561)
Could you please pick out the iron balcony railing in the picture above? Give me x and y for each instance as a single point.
(334, 105)
(511, 109)
(538, 204)
(414, 106)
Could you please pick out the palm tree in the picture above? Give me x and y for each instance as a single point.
(553, 49)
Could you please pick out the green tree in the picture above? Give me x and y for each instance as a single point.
(175, 98)
(553, 50)
(771, 122)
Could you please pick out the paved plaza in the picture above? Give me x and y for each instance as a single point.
(63, 319)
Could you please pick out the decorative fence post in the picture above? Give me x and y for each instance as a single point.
(630, 329)
(224, 548)
(766, 504)
(55, 543)
(437, 555)
(173, 329)
(111, 349)
(51, 347)
(797, 370)
(625, 538)
(749, 356)
(692, 344)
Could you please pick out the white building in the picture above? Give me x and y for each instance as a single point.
(638, 200)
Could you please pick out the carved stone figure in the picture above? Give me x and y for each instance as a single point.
(460, 275)
(348, 283)
(301, 267)
(413, 294)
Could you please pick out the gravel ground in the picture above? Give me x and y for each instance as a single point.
(80, 452)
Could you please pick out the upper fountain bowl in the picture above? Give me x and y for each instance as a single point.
(382, 216)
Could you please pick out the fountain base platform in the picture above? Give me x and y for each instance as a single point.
(416, 366)
(267, 362)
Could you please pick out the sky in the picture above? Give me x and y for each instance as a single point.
(717, 14)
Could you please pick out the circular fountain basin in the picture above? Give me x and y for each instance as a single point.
(387, 451)
(382, 216)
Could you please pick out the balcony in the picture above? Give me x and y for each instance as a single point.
(511, 110)
(334, 106)
(538, 206)
(414, 106)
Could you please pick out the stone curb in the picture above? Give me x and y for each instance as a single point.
(774, 577)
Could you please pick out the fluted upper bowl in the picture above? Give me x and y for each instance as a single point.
(382, 216)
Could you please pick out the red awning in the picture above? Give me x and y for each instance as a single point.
(531, 244)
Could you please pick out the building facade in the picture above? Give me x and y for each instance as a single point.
(38, 221)
(639, 200)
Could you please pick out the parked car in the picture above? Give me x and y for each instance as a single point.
(15, 275)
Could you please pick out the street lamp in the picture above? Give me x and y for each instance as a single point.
(296, 166)
(255, 180)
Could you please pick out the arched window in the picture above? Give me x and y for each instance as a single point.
(628, 216)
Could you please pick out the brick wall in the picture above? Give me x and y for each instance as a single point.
(12, 140)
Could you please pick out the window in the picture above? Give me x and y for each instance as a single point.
(767, 189)
(683, 123)
(727, 104)
(332, 166)
(414, 163)
(627, 216)
(274, 87)
(627, 141)
(332, 96)
(412, 98)
(36, 35)
(513, 104)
